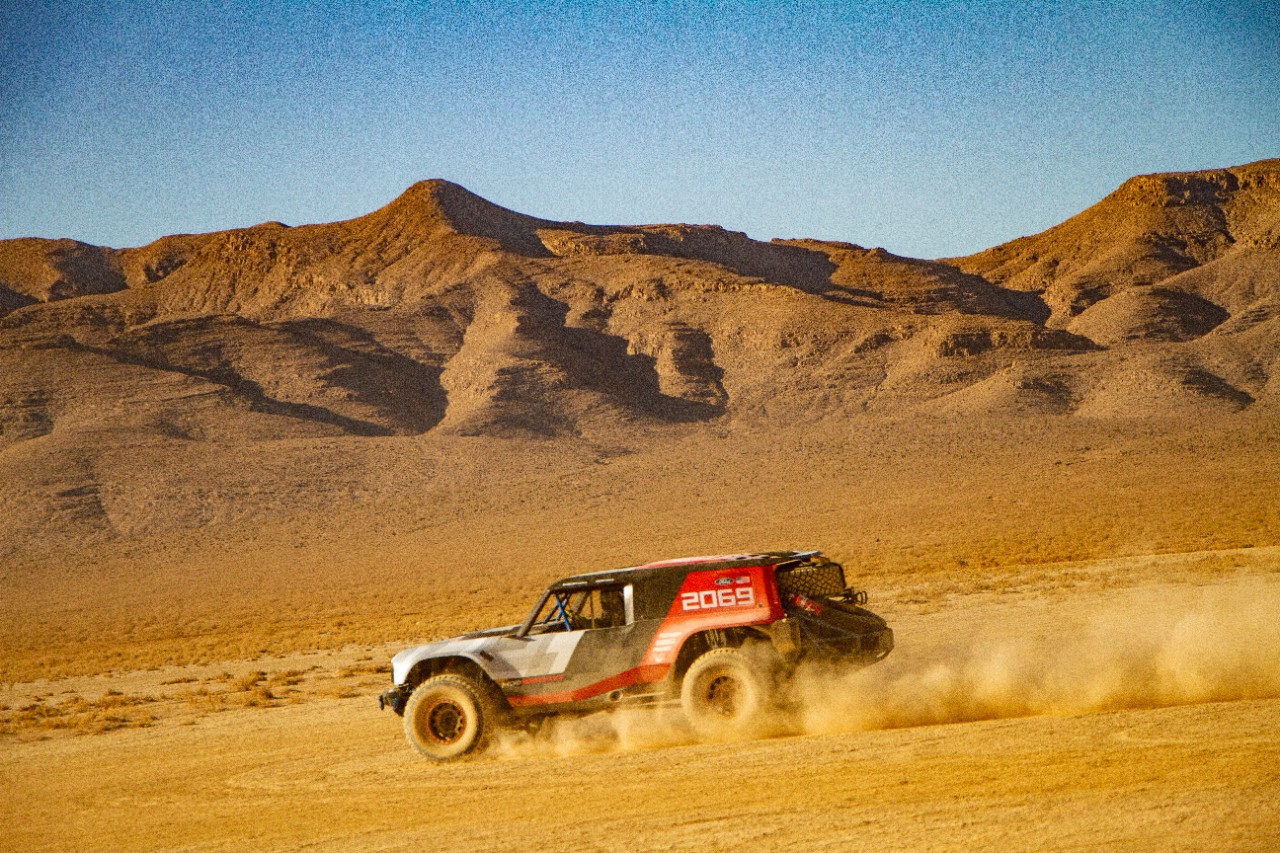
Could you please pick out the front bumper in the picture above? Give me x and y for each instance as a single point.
(395, 698)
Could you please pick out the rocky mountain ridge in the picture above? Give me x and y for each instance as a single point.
(540, 325)
(443, 314)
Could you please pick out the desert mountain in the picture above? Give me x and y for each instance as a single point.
(1189, 249)
(443, 314)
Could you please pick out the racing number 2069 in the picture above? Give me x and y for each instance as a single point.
(710, 599)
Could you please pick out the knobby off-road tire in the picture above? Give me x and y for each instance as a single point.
(726, 695)
(450, 716)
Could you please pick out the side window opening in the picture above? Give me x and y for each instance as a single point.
(602, 607)
(613, 608)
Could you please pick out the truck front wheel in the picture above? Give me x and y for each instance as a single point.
(449, 716)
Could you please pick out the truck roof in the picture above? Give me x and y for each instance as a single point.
(721, 561)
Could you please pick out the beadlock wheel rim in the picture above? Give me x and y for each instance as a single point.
(722, 695)
(446, 721)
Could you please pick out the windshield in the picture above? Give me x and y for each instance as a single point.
(553, 615)
(580, 609)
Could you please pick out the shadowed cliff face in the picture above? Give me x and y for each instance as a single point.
(443, 314)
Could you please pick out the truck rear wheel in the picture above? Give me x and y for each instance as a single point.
(726, 695)
(449, 716)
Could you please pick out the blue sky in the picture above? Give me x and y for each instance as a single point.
(931, 129)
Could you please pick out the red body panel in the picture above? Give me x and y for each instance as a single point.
(720, 598)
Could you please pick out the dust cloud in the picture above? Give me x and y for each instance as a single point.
(624, 730)
(1134, 652)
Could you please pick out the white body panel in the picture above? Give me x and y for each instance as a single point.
(502, 657)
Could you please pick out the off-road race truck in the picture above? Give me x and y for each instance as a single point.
(719, 635)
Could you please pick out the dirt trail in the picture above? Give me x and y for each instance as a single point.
(1162, 770)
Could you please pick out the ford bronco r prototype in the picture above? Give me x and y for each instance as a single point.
(715, 634)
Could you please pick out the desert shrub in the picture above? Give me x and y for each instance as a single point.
(249, 681)
(257, 697)
(79, 715)
(286, 678)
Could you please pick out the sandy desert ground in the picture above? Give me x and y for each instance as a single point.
(1055, 717)
(1087, 654)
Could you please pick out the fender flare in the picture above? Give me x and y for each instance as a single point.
(407, 663)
